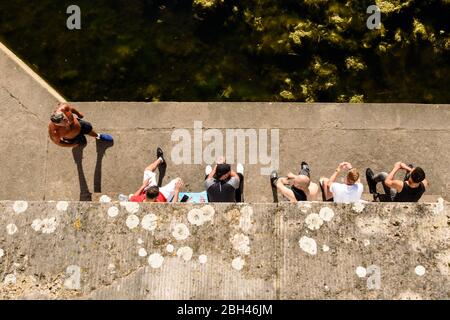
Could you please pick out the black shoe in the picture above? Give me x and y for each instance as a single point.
(305, 166)
(370, 181)
(273, 178)
(160, 154)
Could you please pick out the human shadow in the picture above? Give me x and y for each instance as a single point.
(77, 152)
(101, 146)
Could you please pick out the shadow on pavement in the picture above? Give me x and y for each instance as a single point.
(101, 150)
(85, 194)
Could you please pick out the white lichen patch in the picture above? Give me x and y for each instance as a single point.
(304, 206)
(238, 263)
(113, 212)
(170, 248)
(132, 221)
(241, 243)
(308, 245)
(185, 253)
(180, 231)
(140, 241)
(132, 207)
(326, 214)
(155, 260)
(20, 206)
(358, 206)
(195, 217)
(420, 270)
(246, 219)
(325, 248)
(62, 205)
(366, 242)
(11, 229)
(361, 271)
(203, 259)
(36, 225)
(48, 225)
(313, 221)
(105, 199)
(2, 253)
(208, 213)
(10, 279)
(142, 252)
(439, 208)
(149, 222)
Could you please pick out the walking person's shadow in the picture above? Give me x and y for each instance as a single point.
(101, 146)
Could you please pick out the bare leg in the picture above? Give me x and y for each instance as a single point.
(152, 167)
(93, 134)
(285, 191)
(326, 188)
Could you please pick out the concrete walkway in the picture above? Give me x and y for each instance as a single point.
(375, 135)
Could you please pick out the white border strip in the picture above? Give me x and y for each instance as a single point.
(30, 72)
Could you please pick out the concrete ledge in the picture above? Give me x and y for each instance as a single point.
(61, 250)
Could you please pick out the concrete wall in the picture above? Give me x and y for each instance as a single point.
(85, 250)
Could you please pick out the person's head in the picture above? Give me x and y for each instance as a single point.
(223, 171)
(302, 182)
(417, 175)
(151, 194)
(59, 118)
(352, 177)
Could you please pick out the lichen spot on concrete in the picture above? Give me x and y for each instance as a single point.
(62, 205)
(327, 214)
(155, 260)
(132, 207)
(132, 221)
(313, 221)
(304, 206)
(2, 253)
(185, 253)
(170, 248)
(366, 242)
(180, 231)
(241, 243)
(36, 225)
(203, 259)
(238, 263)
(325, 248)
(48, 225)
(11, 229)
(358, 206)
(420, 270)
(20, 206)
(439, 208)
(308, 245)
(196, 217)
(208, 213)
(246, 219)
(113, 212)
(361, 271)
(142, 252)
(9, 279)
(73, 280)
(105, 199)
(140, 241)
(149, 222)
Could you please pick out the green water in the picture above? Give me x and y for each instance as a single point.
(235, 50)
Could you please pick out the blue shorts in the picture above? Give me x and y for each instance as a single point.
(86, 128)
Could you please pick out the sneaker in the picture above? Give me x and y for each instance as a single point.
(274, 178)
(305, 167)
(208, 170)
(105, 137)
(370, 181)
(240, 168)
(160, 154)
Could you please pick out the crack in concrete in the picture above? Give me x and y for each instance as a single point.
(27, 110)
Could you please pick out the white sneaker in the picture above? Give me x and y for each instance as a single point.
(240, 168)
(208, 170)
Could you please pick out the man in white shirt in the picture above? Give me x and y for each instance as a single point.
(347, 192)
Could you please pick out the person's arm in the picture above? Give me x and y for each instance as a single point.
(178, 187)
(335, 175)
(213, 172)
(390, 182)
(141, 188)
(234, 179)
(69, 108)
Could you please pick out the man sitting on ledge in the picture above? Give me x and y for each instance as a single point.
(224, 185)
(410, 189)
(348, 192)
(296, 187)
(66, 130)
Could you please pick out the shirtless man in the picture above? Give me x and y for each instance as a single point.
(65, 130)
(296, 187)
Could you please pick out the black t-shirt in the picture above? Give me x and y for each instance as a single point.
(409, 194)
(299, 194)
(222, 191)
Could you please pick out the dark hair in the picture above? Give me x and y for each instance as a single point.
(152, 192)
(417, 175)
(57, 117)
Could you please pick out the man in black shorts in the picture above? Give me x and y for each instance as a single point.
(223, 184)
(410, 189)
(67, 130)
(296, 187)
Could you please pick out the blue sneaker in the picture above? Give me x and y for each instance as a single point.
(106, 137)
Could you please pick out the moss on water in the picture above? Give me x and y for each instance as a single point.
(230, 50)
